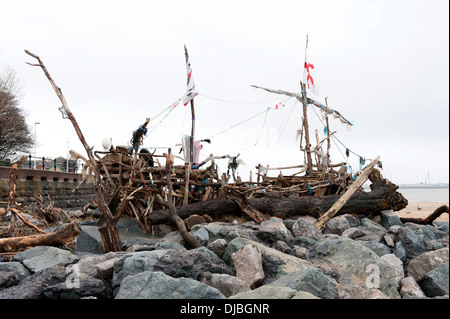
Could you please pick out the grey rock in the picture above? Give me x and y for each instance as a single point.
(33, 286)
(436, 282)
(89, 240)
(412, 243)
(366, 222)
(389, 240)
(353, 233)
(166, 244)
(357, 260)
(271, 220)
(375, 234)
(408, 286)
(337, 225)
(248, 264)
(305, 227)
(352, 291)
(395, 267)
(389, 218)
(84, 287)
(129, 227)
(157, 285)
(421, 265)
(202, 235)
(215, 230)
(283, 247)
(304, 295)
(105, 269)
(442, 226)
(191, 263)
(274, 231)
(175, 237)
(312, 280)
(431, 245)
(16, 267)
(134, 263)
(8, 279)
(378, 248)
(301, 252)
(228, 285)
(129, 241)
(218, 246)
(399, 251)
(162, 230)
(289, 223)
(41, 257)
(275, 263)
(377, 294)
(306, 242)
(88, 265)
(267, 292)
(432, 233)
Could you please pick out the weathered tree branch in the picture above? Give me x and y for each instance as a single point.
(173, 217)
(430, 219)
(59, 238)
(99, 191)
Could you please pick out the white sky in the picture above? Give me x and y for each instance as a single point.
(382, 64)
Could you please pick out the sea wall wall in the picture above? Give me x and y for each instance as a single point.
(65, 189)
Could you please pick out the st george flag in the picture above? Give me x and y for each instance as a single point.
(190, 92)
(309, 75)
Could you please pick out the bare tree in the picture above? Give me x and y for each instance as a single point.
(15, 136)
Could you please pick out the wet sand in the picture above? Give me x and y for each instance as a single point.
(426, 208)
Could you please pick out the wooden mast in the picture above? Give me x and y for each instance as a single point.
(328, 136)
(188, 165)
(305, 124)
(191, 143)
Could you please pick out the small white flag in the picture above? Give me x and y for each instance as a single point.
(190, 92)
(190, 79)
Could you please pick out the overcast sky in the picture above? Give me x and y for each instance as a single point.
(382, 64)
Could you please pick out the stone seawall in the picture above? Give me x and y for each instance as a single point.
(65, 195)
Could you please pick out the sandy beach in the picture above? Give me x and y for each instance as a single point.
(423, 210)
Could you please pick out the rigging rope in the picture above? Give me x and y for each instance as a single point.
(252, 117)
(227, 101)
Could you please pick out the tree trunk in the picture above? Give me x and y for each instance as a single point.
(61, 237)
(383, 196)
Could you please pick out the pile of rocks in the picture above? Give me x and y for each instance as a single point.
(289, 259)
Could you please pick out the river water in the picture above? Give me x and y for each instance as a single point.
(425, 194)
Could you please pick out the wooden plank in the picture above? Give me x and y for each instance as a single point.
(322, 221)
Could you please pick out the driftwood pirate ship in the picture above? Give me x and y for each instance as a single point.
(131, 181)
(134, 178)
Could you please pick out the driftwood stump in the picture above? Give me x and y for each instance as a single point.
(61, 237)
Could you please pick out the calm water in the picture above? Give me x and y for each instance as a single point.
(425, 194)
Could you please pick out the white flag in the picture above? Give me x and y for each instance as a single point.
(190, 92)
(190, 79)
(309, 75)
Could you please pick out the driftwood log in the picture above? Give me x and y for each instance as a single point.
(58, 238)
(430, 219)
(383, 196)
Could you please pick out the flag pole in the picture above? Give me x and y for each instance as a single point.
(191, 140)
(328, 135)
(305, 123)
(306, 128)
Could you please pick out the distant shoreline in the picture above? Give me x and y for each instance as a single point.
(423, 186)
